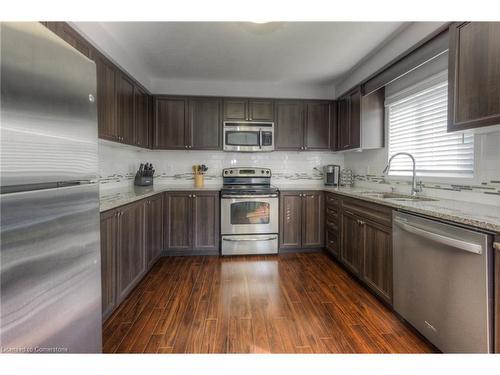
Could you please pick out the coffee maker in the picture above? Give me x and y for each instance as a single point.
(331, 175)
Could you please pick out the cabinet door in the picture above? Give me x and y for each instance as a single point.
(355, 118)
(289, 125)
(131, 248)
(141, 121)
(178, 220)
(125, 109)
(377, 259)
(313, 220)
(154, 229)
(106, 99)
(352, 242)
(260, 110)
(290, 232)
(334, 134)
(343, 123)
(109, 230)
(206, 220)
(170, 121)
(204, 130)
(235, 109)
(474, 75)
(317, 126)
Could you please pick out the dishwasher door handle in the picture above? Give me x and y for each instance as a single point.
(459, 244)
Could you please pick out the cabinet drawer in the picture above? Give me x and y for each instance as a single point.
(332, 201)
(371, 211)
(332, 242)
(332, 213)
(332, 224)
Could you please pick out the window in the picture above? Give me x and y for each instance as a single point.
(417, 124)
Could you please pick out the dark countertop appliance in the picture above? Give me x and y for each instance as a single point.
(144, 176)
(331, 175)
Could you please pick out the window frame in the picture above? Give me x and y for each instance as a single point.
(414, 89)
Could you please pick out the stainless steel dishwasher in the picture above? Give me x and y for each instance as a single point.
(443, 282)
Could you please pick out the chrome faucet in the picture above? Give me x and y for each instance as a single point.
(415, 187)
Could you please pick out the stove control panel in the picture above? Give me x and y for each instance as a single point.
(246, 172)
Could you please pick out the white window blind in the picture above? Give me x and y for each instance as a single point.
(417, 124)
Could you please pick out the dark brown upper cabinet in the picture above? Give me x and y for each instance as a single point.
(301, 220)
(125, 109)
(474, 75)
(170, 123)
(188, 123)
(349, 120)
(191, 221)
(106, 99)
(70, 36)
(289, 126)
(205, 124)
(360, 120)
(318, 126)
(303, 125)
(141, 118)
(248, 109)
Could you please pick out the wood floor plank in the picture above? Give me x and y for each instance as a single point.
(293, 303)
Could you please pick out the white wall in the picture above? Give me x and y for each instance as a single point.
(404, 40)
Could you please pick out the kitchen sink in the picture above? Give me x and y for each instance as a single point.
(396, 196)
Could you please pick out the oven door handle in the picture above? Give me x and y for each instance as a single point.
(228, 196)
(249, 239)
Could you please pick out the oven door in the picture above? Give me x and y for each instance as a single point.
(248, 137)
(249, 214)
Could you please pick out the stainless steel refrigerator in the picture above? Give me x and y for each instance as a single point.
(50, 287)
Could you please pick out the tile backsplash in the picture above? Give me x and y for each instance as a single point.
(118, 164)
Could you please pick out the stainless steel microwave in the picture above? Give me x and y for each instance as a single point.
(245, 136)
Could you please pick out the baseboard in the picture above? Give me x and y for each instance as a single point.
(291, 251)
(180, 253)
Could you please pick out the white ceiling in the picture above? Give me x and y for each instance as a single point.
(279, 52)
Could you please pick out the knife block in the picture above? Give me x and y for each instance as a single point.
(199, 180)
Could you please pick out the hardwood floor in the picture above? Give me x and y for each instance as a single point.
(293, 303)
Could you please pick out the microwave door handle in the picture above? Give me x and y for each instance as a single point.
(260, 138)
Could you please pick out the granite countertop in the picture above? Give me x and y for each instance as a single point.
(477, 215)
(112, 198)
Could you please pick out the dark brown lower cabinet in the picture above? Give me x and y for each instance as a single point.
(301, 220)
(352, 242)
(206, 221)
(109, 236)
(131, 248)
(366, 245)
(131, 242)
(377, 259)
(154, 228)
(192, 221)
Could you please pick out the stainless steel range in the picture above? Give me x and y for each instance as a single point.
(249, 212)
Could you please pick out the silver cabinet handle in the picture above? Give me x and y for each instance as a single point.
(194, 196)
(459, 244)
(250, 239)
(260, 137)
